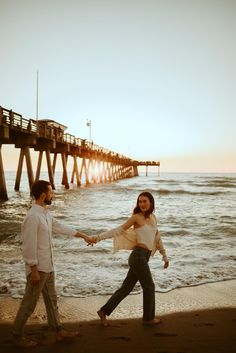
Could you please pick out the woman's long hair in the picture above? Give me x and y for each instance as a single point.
(152, 204)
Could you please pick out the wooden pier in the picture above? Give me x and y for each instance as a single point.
(49, 137)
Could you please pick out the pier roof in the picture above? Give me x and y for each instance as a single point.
(50, 122)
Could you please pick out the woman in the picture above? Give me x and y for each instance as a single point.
(144, 239)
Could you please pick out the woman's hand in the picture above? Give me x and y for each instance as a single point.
(166, 264)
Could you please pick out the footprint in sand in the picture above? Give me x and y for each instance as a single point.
(164, 334)
(109, 325)
(167, 352)
(123, 338)
(204, 324)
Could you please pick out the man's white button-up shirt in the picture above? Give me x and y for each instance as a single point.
(37, 229)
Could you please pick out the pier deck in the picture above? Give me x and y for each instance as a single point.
(50, 137)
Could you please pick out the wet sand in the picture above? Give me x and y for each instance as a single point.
(195, 319)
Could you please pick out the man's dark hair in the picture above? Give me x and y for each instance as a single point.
(38, 188)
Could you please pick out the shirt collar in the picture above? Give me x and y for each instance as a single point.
(39, 208)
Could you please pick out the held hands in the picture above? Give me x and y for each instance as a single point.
(90, 240)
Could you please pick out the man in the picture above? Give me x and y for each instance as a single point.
(37, 229)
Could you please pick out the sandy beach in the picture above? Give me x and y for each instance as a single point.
(195, 319)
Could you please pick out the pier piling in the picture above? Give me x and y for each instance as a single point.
(3, 188)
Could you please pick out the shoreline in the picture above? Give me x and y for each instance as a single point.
(213, 295)
(199, 319)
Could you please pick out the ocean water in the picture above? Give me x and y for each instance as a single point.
(197, 217)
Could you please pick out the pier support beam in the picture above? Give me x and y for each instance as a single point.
(65, 177)
(3, 188)
(54, 163)
(84, 166)
(75, 172)
(135, 170)
(108, 172)
(99, 171)
(49, 165)
(93, 164)
(39, 165)
(24, 152)
(50, 169)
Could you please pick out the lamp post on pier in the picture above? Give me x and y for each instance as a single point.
(37, 100)
(89, 124)
(37, 95)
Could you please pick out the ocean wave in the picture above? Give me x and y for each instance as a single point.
(215, 184)
(10, 238)
(165, 191)
(186, 192)
(167, 181)
(219, 179)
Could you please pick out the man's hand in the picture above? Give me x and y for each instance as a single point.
(34, 277)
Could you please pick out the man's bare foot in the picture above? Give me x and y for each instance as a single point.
(102, 317)
(24, 342)
(65, 335)
(154, 321)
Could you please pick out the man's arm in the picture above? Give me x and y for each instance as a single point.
(29, 236)
(59, 228)
(84, 236)
(29, 246)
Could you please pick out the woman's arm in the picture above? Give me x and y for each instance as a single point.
(160, 247)
(115, 231)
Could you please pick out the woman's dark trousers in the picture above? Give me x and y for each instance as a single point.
(139, 271)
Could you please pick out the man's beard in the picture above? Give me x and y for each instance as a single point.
(48, 201)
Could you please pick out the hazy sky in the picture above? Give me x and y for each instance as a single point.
(157, 78)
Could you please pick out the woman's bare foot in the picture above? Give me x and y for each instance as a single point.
(102, 317)
(154, 321)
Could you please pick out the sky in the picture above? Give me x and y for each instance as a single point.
(157, 78)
